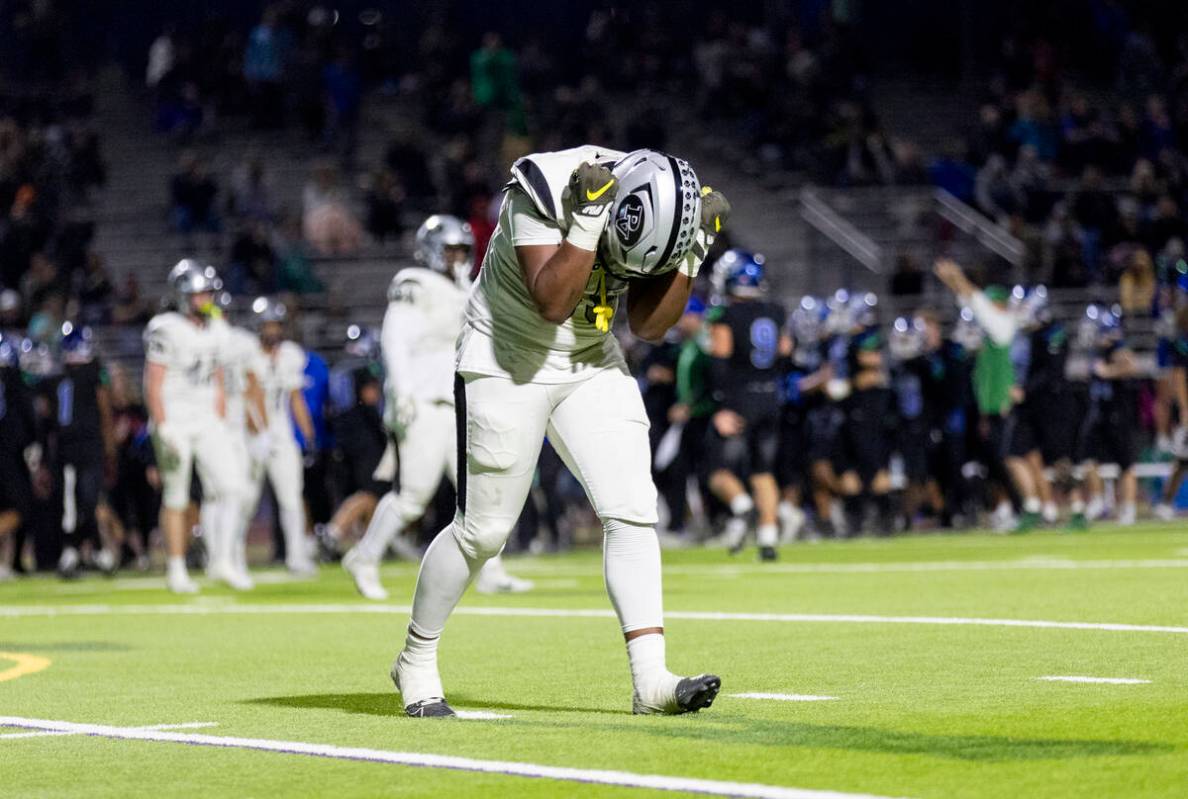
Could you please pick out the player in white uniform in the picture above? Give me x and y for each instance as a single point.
(183, 388)
(239, 351)
(280, 368)
(419, 337)
(577, 229)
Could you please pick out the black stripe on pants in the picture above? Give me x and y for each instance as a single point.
(460, 429)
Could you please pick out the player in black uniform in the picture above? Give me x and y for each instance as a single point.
(1178, 384)
(747, 344)
(86, 448)
(864, 451)
(16, 433)
(1107, 433)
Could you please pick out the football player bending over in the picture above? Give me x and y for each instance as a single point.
(577, 230)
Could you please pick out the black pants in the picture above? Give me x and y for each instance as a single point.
(82, 484)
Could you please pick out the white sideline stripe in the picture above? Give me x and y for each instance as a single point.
(568, 613)
(190, 725)
(1105, 680)
(480, 714)
(1034, 563)
(594, 776)
(784, 697)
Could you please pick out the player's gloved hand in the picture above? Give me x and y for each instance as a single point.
(260, 446)
(590, 195)
(399, 415)
(715, 211)
(165, 444)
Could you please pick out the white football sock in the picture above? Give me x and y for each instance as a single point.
(1032, 505)
(654, 684)
(767, 535)
(208, 518)
(445, 573)
(389, 519)
(296, 545)
(176, 566)
(741, 505)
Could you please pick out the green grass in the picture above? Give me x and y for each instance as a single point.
(921, 710)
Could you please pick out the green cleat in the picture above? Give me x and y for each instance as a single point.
(1027, 523)
(1078, 523)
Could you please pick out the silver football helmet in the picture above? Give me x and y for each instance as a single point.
(434, 235)
(267, 309)
(189, 277)
(907, 338)
(655, 216)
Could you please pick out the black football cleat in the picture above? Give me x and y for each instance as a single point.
(768, 553)
(430, 708)
(694, 693)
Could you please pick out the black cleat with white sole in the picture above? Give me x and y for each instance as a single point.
(694, 693)
(430, 708)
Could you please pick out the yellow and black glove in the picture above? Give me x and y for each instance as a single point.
(715, 210)
(590, 195)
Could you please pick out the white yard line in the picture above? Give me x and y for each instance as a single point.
(568, 613)
(514, 769)
(189, 725)
(784, 697)
(1102, 680)
(1030, 563)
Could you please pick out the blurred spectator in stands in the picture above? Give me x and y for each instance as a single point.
(1137, 285)
(1094, 209)
(294, 273)
(343, 88)
(481, 216)
(953, 173)
(24, 232)
(1166, 223)
(160, 58)
(130, 307)
(997, 195)
(86, 167)
(1064, 239)
(95, 292)
(192, 194)
(328, 223)
(12, 311)
(251, 193)
(908, 279)
(252, 262)
(1033, 125)
(988, 137)
(495, 84)
(385, 206)
(264, 69)
(406, 157)
(43, 281)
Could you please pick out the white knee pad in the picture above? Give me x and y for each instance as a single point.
(482, 535)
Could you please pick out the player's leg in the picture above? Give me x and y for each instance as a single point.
(764, 448)
(223, 483)
(500, 429)
(286, 475)
(600, 429)
(415, 467)
(1165, 510)
(727, 458)
(175, 458)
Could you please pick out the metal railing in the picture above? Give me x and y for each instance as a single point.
(970, 221)
(817, 213)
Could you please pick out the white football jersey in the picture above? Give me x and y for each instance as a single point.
(505, 333)
(239, 351)
(190, 354)
(280, 373)
(420, 335)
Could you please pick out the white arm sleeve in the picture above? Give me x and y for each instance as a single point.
(403, 325)
(999, 325)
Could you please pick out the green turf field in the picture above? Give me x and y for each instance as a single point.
(924, 703)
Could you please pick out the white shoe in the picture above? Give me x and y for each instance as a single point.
(791, 523)
(494, 579)
(1051, 513)
(1127, 515)
(5, 573)
(1095, 509)
(180, 583)
(366, 576)
(1165, 512)
(303, 568)
(405, 549)
(416, 683)
(106, 562)
(230, 576)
